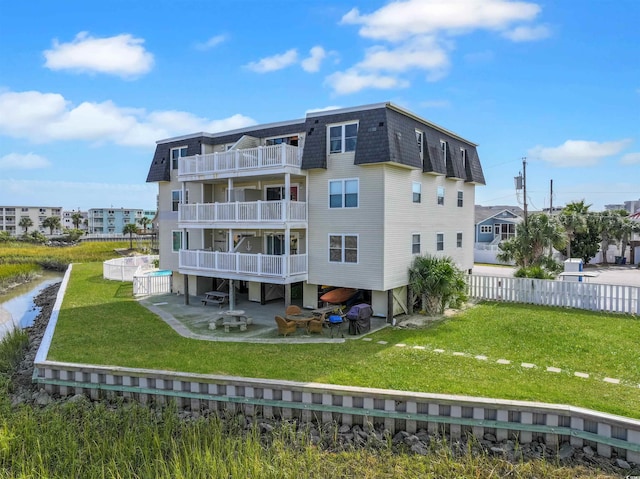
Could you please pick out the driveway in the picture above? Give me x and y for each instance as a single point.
(628, 275)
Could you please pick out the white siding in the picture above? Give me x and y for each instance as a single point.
(365, 221)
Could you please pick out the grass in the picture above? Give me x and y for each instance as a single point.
(56, 257)
(100, 323)
(17, 273)
(80, 439)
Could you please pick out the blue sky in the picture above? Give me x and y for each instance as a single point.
(87, 88)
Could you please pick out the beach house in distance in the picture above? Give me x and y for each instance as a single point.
(343, 198)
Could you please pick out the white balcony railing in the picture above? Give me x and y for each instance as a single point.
(243, 212)
(236, 160)
(241, 263)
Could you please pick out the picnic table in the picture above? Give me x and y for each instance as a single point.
(234, 318)
(216, 298)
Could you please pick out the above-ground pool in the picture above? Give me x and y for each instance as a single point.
(162, 272)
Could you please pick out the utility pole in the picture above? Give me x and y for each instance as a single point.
(524, 188)
(551, 198)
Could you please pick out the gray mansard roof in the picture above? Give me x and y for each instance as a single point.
(386, 133)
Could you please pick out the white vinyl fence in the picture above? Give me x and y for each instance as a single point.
(591, 296)
(147, 284)
(123, 269)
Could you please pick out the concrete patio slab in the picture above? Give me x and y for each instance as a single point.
(193, 320)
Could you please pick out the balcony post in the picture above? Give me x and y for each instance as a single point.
(283, 155)
(260, 151)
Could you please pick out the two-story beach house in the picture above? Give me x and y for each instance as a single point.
(342, 198)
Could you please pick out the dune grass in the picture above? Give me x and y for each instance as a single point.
(100, 323)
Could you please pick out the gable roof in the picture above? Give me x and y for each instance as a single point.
(483, 213)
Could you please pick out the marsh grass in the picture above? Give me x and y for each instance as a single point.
(17, 273)
(55, 257)
(100, 323)
(123, 440)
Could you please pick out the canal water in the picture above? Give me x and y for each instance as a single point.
(17, 308)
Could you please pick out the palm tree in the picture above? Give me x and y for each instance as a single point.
(532, 238)
(130, 229)
(437, 282)
(52, 222)
(610, 229)
(26, 223)
(573, 223)
(76, 219)
(144, 221)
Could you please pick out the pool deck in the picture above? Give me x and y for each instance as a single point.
(192, 321)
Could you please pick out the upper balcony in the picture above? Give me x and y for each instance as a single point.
(261, 160)
(248, 214)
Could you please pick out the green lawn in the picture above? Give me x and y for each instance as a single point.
(100, 323)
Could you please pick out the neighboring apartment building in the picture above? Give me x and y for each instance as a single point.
(631, 206)
(68, 217)
(112, 220)
(10, 217)
(345, 198)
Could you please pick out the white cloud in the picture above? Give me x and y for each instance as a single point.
(352, 81)
(17, 161)
(275, 62)
(576, 153)
(423, 53)
(69, 194)
(524, 33)
(122, 55)
(400, 20)
(211, 43)
(312, 63)
(46, 117)
(630, 159)
(420, 32)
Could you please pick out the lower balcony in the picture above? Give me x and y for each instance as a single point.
(243, 266)
(242, 212)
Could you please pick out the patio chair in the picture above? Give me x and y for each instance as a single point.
(292, 309)
(285, 327)
(316, 325)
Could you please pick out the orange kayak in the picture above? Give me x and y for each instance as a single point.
(338, 295)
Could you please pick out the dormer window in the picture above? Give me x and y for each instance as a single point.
(463, 154)
(343, 138)
(443, 148)
(176, 154)
(420, 140)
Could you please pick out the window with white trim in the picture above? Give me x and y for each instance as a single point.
(460, 199)
(176, 198)
(443, 149)
(176, 241)
(343, 138)
(463, 154)
(176, 154)
(439, 241)
(440, 195)
(486, 229)
(420, 140)
(458, 240)
(415, 243)
(344, 193)
(417, 192)
(343, 248)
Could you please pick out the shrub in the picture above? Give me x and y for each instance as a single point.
(437, 282)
